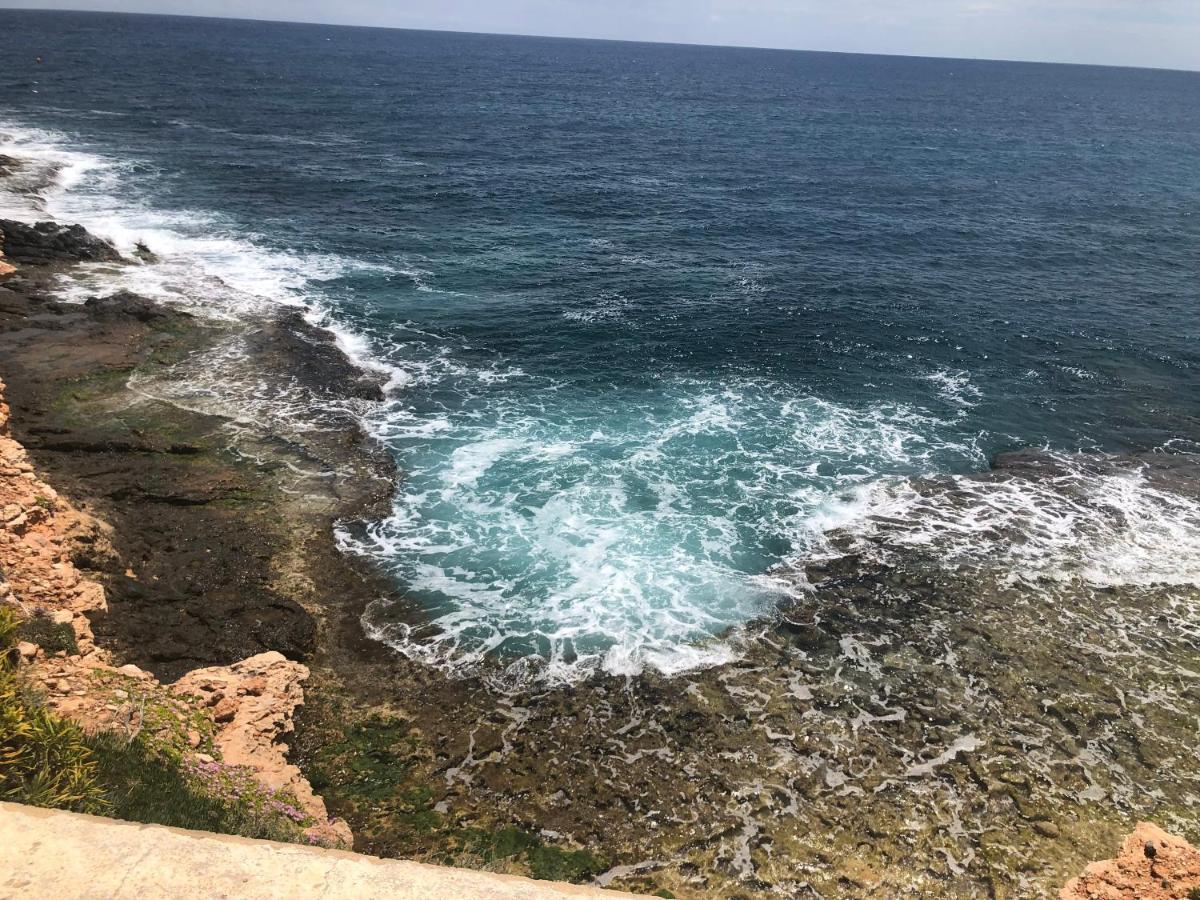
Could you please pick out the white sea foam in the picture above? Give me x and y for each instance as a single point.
(202, 263)
(1105, 525)
(608, 306)
(619, 533)
(956, 388)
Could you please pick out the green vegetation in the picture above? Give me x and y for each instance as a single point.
(143, 785)
(46, 760)
(51, 636)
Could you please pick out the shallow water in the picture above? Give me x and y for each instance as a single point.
(657, 319)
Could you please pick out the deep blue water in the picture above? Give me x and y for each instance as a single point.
(657, 315)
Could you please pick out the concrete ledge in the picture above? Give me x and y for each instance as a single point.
(61, 855)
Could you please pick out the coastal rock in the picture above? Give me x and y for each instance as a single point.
(253, 703)
(312, 356)
(50, 242)
(126, 303)
(38, 531)
(1151, 865)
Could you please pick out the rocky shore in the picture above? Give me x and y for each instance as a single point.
(174, 563)
(240, 713)
(197, 564)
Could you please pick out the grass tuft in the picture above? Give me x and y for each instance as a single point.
(44, 760)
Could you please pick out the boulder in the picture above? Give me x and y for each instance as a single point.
(50, 242)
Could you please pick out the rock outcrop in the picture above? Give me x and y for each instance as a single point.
(50, 242)
(1152, 865)
(40, 535)
(252, 703)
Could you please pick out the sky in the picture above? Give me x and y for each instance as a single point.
(1155, 33)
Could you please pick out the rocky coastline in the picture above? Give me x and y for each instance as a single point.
(196, 568)
(165, 593)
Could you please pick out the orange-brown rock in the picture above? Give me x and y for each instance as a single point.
(38, 533)
(1152, 865)
(252, 703)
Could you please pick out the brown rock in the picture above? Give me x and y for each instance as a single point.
(255, 687)
(253, 702)
(225, 710)
(1152, 865)
(259, 697)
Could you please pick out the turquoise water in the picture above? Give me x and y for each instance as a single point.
(654, 319)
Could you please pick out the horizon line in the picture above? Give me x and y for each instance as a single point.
(571, 37)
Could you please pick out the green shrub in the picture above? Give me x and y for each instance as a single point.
(142, 785)
(44, 760)
(51, 636)
(9, 623)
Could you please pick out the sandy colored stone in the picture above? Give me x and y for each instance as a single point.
(1152, 865)
(47, 853)
(38, 531)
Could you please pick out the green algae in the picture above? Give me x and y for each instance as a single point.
(376, 773)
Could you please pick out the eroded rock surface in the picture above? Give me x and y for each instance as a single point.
(240, 711)
(40, 536)
(252, 703)
(1152, 865)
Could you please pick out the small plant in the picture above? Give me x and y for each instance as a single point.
(51, 636)
(143, 785)
(9, 623)
(47, 760)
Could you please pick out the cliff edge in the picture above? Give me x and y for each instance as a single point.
(222, 725)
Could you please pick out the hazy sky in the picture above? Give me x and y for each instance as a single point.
(1162, 33)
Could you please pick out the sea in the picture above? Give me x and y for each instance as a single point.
(655, 321)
